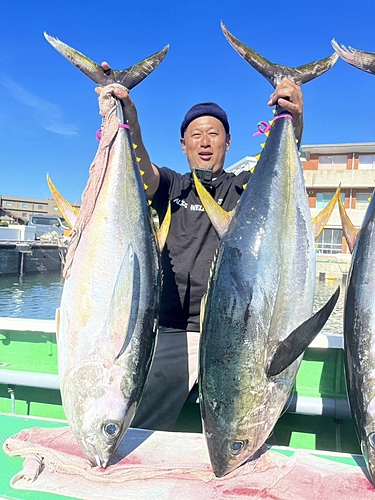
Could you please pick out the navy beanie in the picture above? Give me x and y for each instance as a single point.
(205, 109)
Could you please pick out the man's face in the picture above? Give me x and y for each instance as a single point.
(205, 143)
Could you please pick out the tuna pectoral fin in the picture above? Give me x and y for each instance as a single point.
(294, 345)
(121, 307)
(128, 77)
(68, 211)
(322, 218)
(162, 234)
(349, 230)
(219, 217)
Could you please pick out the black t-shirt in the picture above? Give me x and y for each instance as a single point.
(191, 244)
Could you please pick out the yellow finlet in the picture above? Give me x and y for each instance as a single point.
(141, 172)
(245, 186)
(145, 187)
(135, 146)
(219, 217)
(263, 144)
(266, 134)
(257, 157)
(138, 159)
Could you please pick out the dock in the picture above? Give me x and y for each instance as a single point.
(27, 257)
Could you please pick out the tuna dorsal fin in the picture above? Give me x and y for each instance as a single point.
(162, 234)
(294, 345)
(219, 217)
(357, 58)
(67, 210)
(349, 230)
(274, 73)
(121, 307)
(322, 218)
(129, 77)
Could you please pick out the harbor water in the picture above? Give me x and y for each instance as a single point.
(38, 296)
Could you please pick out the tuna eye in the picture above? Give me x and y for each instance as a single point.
(237, 446)
(111, 430)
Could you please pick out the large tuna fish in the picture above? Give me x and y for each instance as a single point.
(357, 58)
(107, 322)
(359, 337)
(359, 309)
(257, 315)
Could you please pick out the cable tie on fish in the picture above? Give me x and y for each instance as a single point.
(283, 115)
(263, 127)
(123, 125)
(98, 135)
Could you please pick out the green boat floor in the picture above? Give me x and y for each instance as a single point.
(9, 426)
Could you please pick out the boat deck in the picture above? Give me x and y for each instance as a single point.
(186, 472)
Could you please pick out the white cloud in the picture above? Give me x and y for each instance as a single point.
(48, 115)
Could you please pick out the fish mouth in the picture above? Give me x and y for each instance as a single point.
(98, 460)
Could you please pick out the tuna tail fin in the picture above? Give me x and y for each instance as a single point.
(274, 73)
(294, 345)
(129, 77)
(349, 230)
(320, 221)
(219, 217)
(357, 58)
(68, 211)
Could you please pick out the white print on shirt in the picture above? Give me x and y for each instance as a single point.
(195, 208)
(182, 203)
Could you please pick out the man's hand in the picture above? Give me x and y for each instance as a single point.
(130, 110)
(289, 95)
(291, 91)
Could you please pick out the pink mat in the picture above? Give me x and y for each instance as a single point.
(176, 466)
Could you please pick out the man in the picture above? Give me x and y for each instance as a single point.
(191, 244)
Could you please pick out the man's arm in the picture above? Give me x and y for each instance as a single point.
(289, 95)
(151, 175)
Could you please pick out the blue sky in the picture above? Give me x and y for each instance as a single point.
(49, 111)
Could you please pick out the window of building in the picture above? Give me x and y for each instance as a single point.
(40, 207)
(333, 162)
(55, 209)
(322, 199)
(24, 214)
(24, 205)
(330, 241)
(362, 200)
(8, 204)
(366, 162)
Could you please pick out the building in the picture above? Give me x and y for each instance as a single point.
(326, 166)
(17, 209)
